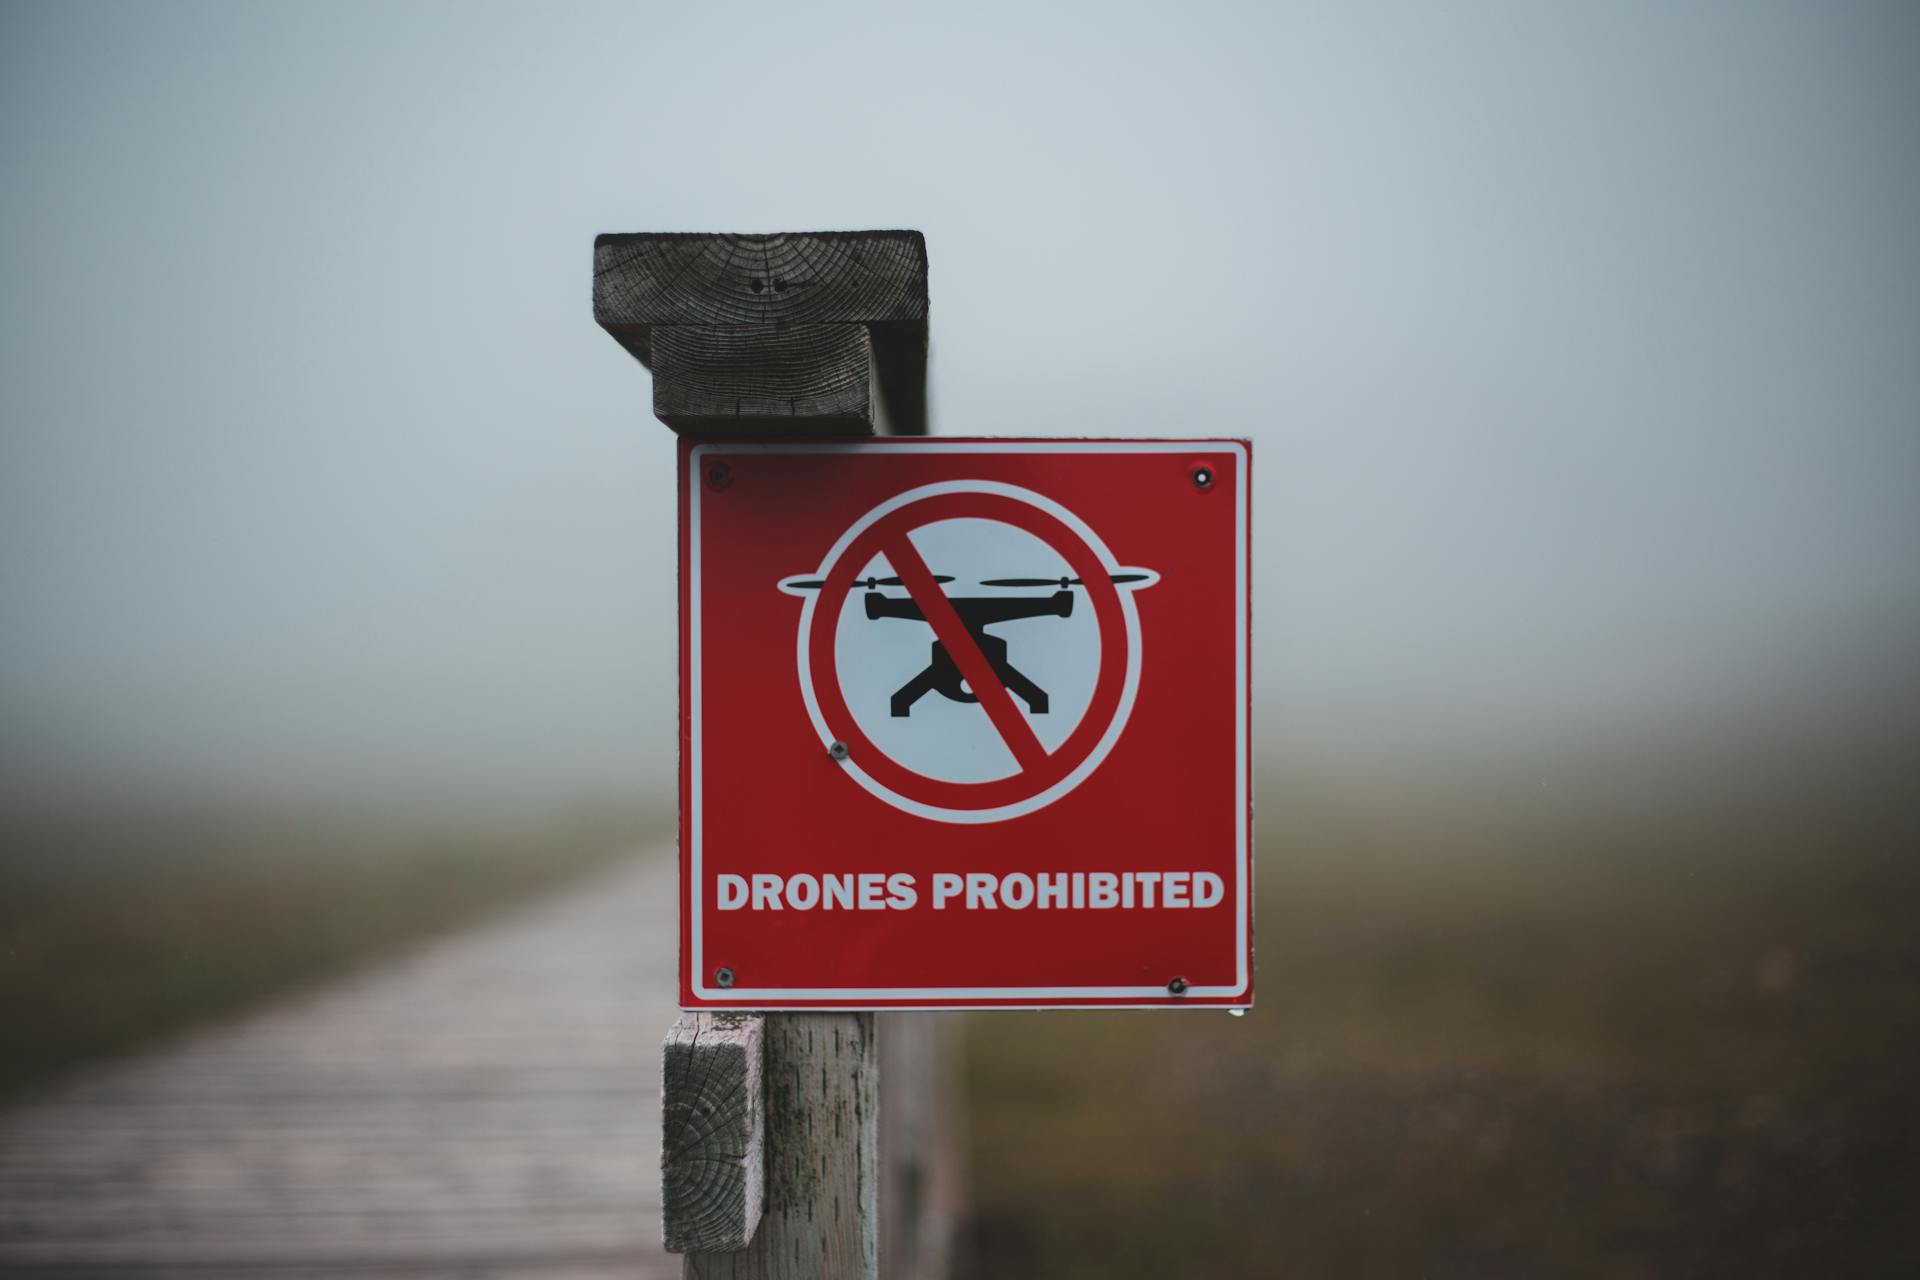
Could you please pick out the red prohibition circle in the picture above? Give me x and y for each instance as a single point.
(1109, 685)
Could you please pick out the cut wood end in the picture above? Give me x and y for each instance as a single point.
(712, 1168)
(846, 277)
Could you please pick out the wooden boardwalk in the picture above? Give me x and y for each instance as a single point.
(485, 1105)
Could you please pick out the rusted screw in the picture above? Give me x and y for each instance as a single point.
(719, 476)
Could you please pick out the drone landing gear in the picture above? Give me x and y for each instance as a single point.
(942, 676)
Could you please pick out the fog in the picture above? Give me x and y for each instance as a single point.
(1580, 346)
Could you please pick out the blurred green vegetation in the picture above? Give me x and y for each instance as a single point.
(119, 929)
(1626, 1044)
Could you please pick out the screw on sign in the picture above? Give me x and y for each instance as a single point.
(965, 724)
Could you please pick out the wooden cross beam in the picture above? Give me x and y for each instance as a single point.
(798, 333)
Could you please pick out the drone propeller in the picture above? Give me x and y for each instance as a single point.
(1062, 583)
(814, 584)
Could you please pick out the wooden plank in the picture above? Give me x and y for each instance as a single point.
(821, 1217)
(814, 333)
(750, 379)
(478, 1105)
(821, 277)
(711, 1173)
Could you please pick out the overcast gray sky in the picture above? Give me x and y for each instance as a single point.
(1580, 343)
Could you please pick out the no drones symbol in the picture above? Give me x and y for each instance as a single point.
(1003, 737)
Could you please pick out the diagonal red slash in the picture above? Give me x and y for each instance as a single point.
(958, 642)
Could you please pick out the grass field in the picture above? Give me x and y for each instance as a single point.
(116, 931)
(1641, 1044)
(1646, 1047)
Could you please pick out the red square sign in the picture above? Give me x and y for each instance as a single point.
(964, 724)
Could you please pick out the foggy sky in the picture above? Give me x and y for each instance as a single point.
(1580, 345)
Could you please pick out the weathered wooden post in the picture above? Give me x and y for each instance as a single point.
(771, 1163)
(964, 724)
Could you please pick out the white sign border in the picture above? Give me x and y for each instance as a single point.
(955, 997)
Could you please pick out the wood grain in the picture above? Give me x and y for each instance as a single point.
(821, 1219)
(483, 1105)
(811, 333)
(822, 277)
(711, 1105)
(749, 379)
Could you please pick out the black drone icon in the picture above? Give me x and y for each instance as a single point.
(942, 675)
